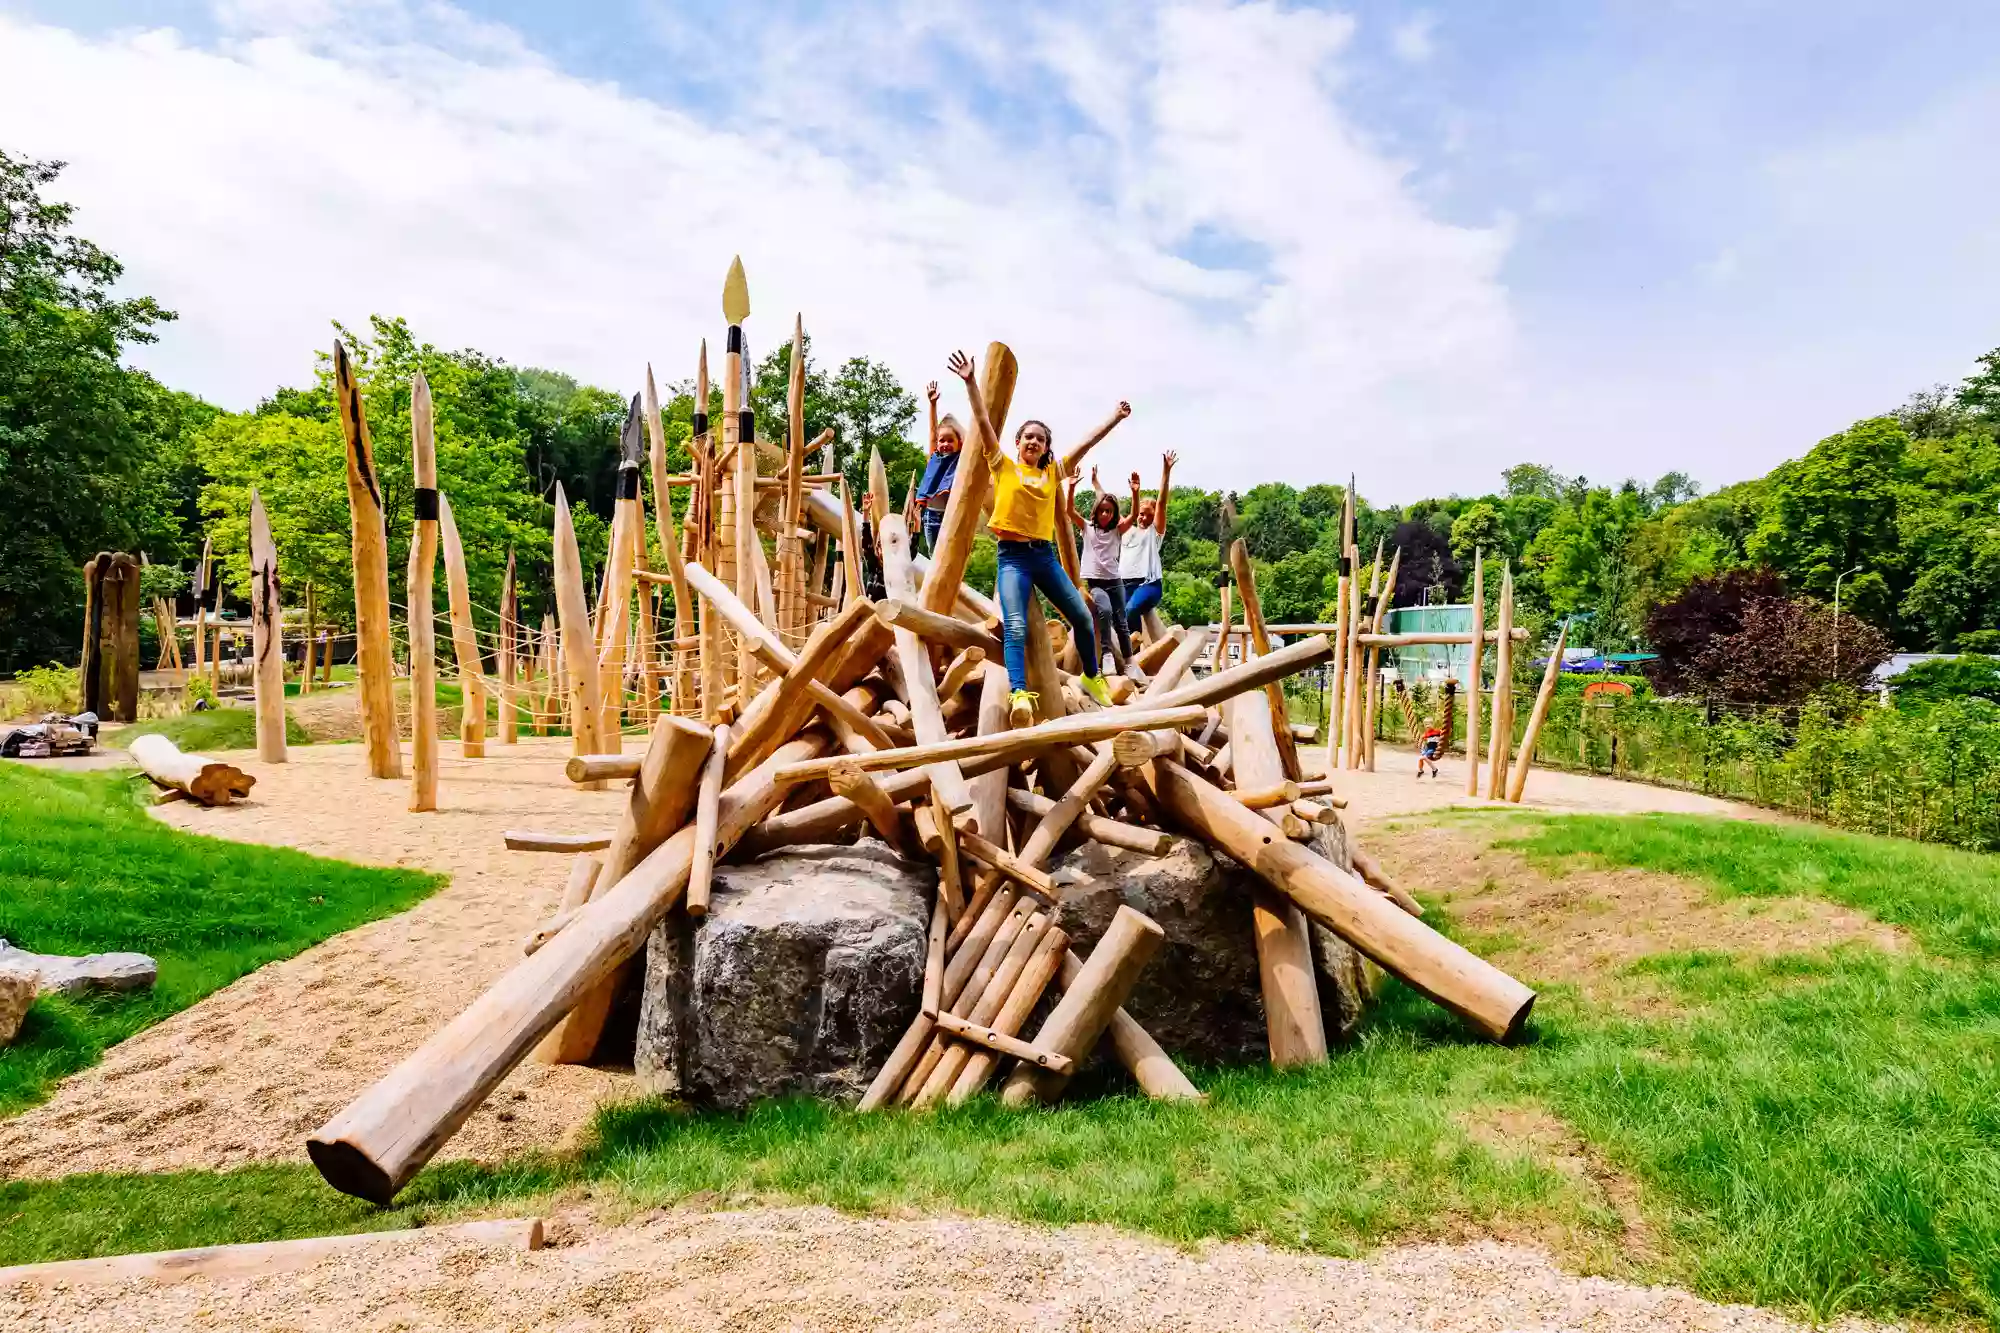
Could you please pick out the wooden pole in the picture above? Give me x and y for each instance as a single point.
(670, 542)
(208, 781)
(372, 1147)
(1493, 1002)
(375, 665)
(574, 618)
(741, 420)
(1087, 1006)
(510, 637)
(707, 809)
(793, 611)
(464, 641)
(421, 602)
(1517, 780)
(267, 621)
(1260, 640)
(1475, 660)
(970, 489)
(1375, 660)
(1500, 739)
(312, 639)
(200, 610)
(927, 719)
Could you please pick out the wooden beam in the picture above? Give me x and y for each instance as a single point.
(997, 1040)
(421, 602)
(1098, 828)
(707, 811)
(1087, 1005)
(573, 620)
(1500, 734)
(535, 840)
(964, 511)
(950, 631)
(267, 617)
(857, 785)
(209, 781)
(1016, 744)
(926, 716)
(1475, 661)
(1517, 780)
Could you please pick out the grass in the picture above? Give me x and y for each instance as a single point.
(222, 728)
(1816, 1131)
(83, 869)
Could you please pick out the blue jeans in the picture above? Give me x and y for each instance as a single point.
(1139, 599)
(1024, 567)
(933, 520)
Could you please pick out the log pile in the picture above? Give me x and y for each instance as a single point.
(823, 716)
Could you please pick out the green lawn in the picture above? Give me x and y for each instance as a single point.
(223, 728)
(84, 869)
(1817, 1131)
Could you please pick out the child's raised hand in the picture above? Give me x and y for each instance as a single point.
(1169, 458)
(930, 391)
(960, 366)
(1124, 410)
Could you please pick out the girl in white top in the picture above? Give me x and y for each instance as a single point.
(1139, 558)
(1101, 559)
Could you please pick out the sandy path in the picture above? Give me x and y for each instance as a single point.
(246, 1074)
(796, 1268)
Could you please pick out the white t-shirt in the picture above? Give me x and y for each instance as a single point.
(1139, 561)
(1100, 552)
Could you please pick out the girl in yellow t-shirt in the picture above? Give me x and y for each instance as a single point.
(1027, 493)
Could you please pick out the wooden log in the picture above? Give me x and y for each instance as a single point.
(1134, 749)
(587, 768)
(926, 715)
(375, 690)
(969, 974)
(373, 1146)
(1098, 828)
(536, 840)
(1314, 812)
(857, 785)
(1260, 643)
(1500, 735)
(998, 1040)
(209, 781)
(933, 992)
(1150, 1066)
(420, 602)
(670, 545)
(707, 810)
(262, 1258)
(950, 631)
(972, 605)
(1154, 654)
(989, 790)
(583, 873)
(201, 611)
(1020, 869)
(1251, 675)
(267, 618)
(1017, 744)
(1493, 1002)
(1371, 873)
(659, 802)
(964, 510)
(1517, 780)
(1079, 1019)
(963, 668)
(1269, 796)
(573, 620)
(979, 1003)
(1474, 664)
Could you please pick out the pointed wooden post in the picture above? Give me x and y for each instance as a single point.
(1475, 659)
(312, 639)
(201, 609)
(1260, 640)
(422, 602)
(793, 612)
(573, 617)
(1517, 780)
(267, 629)
(1500, 740)
(614, 607)
(510, 647)
(670, 541)
(739, 428)
(464, 641)
(1374, 686)
(376, 688)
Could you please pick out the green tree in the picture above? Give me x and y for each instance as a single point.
(1479, 528)
(79, 430)
(1837, 508)
(1944, 678)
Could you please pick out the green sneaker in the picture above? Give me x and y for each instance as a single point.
(1095, 687)
(1021, 708)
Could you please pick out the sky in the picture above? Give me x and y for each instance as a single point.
(1418, 242)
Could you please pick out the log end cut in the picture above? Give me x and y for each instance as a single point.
(349, 1170)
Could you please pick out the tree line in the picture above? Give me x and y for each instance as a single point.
(1903, 509)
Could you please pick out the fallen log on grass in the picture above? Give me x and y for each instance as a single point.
(200, 778)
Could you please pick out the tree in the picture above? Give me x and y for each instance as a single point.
(1292, 590)
(869, 409)
(1785, 650)
(1681, 629)
(1272, 524)
(1583, 559)
(1429, 566)
(1837, 508)
(1980, 393)
(1945, 678)
(1479, 528)
(78, 429)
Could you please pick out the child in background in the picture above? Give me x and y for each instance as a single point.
(934, 489)
(1427, 751)
(1103, 532)
(1139, 558)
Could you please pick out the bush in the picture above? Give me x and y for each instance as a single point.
(50, 689)
(1946, 678)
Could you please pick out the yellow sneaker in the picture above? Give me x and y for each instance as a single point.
(1095, 687)
(1021, 708)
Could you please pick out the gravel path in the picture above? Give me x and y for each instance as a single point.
(810, 1268)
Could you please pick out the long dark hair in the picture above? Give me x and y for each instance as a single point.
(1097, 511)
(1048, 449)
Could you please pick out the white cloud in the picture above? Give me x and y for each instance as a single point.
(1413, 41)
(293, 173)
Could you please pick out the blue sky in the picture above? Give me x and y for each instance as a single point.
(1415, 241)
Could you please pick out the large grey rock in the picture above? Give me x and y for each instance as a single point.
(1200, 996)
(66, 974)
(17, 995)
(801, 978)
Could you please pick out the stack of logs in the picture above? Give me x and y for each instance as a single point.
(891, 716)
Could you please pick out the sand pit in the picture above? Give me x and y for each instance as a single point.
(246, 1074)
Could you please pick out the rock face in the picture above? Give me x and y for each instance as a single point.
(1200, 997)
(17, 993)
(799, 980)
(64, 974)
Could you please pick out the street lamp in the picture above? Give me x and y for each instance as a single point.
(1836, 617)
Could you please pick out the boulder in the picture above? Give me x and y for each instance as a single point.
(67, 974)
(1200, 996)
(17, 993)
(800, 980)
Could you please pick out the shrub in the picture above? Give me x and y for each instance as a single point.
(50, 689)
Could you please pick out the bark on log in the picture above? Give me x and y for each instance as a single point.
(209, 781)
(267, 617)
(375, 689)
(1127, 945)
(1493, 1002)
